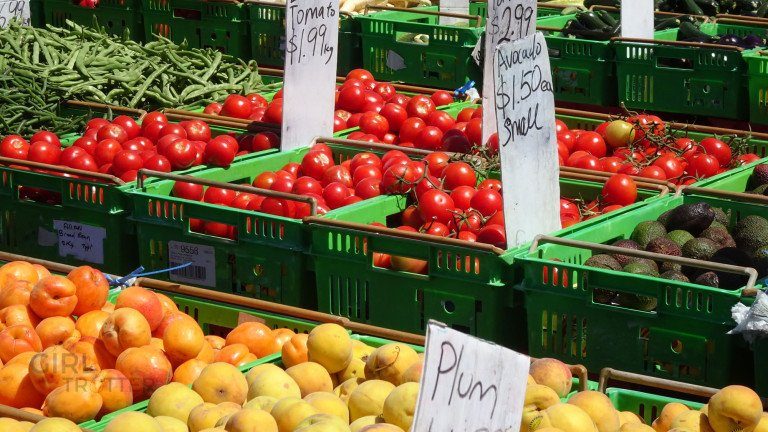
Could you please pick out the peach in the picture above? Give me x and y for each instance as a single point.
(221, 382)
(249, 420)
(56, 331)
(53, 368)
(275, 383)
(567, 417)
(53, 296)
(235, 354)
(264, 403)
(259, 338)
(344, 389)
(133, 421)
(294, 351)
(599, 408)
(368, 398)
(361, 351)
(159, 331)
(539, 397)
(413, 373)
(147, 369)
(16, 388)
(144, 301)
(55, 425)
(734, 407)
(77, 400)
(18, 270)
(41, 271)
(93, 353)
(691, 420)
(92, 289)
(400, 405)
(311, 377)
(173, 400)
(24, 358)
(257, 370)
(157, 343)
(15, 292)
(183, 340)
(208, 355)
(626, 417)
(169, 306)
(19, 315)
(91, 322)
(381, 427)
(115, 390)
(389, 362)
(108, 307)
(282, 335)
(322, 422)
(206, 415)
(10, 425)
(289, 412)
(170, 424)
(330, 346)
(635, 427)
(671, 410)
(329, 403)
(216, 342)
(554, 374)
(17, 339)
(188, 371)
(125, 328)
(763, 425)
(362, 422)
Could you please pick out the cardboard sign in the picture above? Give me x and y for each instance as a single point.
(311, 49)
(525, 112)
(508, 20)
(469, 384)
(453, 6)
(83, 242)
(637, 19)
(18, 9)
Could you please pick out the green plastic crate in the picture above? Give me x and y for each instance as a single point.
(757, 75)
(116, 16)
(267, 37)
(445, 62)
(466, 287)
(683, 339)
(36, 14)
(269, 259)
(737, 181)
(761, 373)
(221, 25)
(646, 405)
(710, 81)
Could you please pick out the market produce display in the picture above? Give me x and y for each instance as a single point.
(750, 8)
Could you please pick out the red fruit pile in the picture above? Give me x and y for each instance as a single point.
(641, 145)
(122, 147)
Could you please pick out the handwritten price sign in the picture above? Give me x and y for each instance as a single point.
(18, 9)
(469, 385)
(84, 242)
(525, 113)
(312, 33)
(508, 20)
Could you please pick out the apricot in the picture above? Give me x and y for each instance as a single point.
(368, 398)
(264, 403)
(381, 427)
(259, 338)
(289, 412)
(41, 271)
(115, 390)
(108, 307)
(24, 358)
(322, 422)
(17, 339)
(567, 417)
(169, 306)
(10, 425)
(18, 270)
(247, 420)
(413, 373)
(734, 407)
(170, 424)
(362, 422)
(206, 415)
(183, 340)
(146, 368)
(329, 403)
(91, 288)
(389, 362)
(311, 377)
(400, 405)
(330, 346)
(208, 355)
(93, 353)
(221, 382)
(173, 400)
(125, 328)
(78, 400)
(53, 296)
(635, 427)
(671, 410)
(344, 389)
(355, 369)
(235, 354)
(16, 388)
(15, 292)
(19, 315)
(599, 408)
(629, 417)
(91, 322)
(294, 351)
(144, 301)
(216, 342)
(55, 425)
(691, 420)
(282, 335)
(133, 421)
(159, 331)
(56, 330)
(53, 368)
(274, 383)
(188, 371)
(554, 374)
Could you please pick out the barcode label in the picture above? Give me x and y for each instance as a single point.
(201, 271)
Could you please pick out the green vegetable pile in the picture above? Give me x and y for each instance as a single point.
(43, 67)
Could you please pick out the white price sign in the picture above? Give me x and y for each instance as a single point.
(83, 242)
(469, 384)
(508, 20)
(637, 19)
(525, 112)
(311, 49)
(201, 260)
(453, 6)
(18, 9)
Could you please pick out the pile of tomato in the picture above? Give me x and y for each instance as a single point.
(641, 146)
(122, 146)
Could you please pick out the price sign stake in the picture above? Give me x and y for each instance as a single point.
(469, 384)
(508, 20)
(18, 9)
(311, 35)
(637, 19)
(525, 112)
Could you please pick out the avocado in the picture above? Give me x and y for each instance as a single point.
(604, 261)
(634, 301)
(761, 190)
(751, 233)
(646, 267)
(693, 218)
(708, 279)
(679, 236)
(675, 275)
(664, 217)
(626, 244)
(716, 224)
(721, 217)
(665, 246)
(646, 231)
(700, 249)
(719, 235)
(732, 256)
(760, 260)
(651, 264)
(759, 176)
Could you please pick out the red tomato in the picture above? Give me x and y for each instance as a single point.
(465, 115)
(493, 234)
(427, 183)
(134, 145)
(264, 141)
(442, 97)
(364, 159)
(46, 136)
(456, 141)
(748, 158)
(315, 163)
(620, 189)
(106, 151)
(568, 138)
(653, 172)
(400, 99)
(629, 169)
(671, 165)
(400, 178)
(395, 115)
(16, 147)
(592, 143)
(96, 123)
(441, 120)
(475, 131)
(219, 153)
(462, 197)
(334, 194)
(339, 124)
(458, 174)
(393, 155)
(436, 162)
(589, 162)
(158, 163)
(265, 180)
(569, 210)
(274, 112)
(411, 128)
(374, 124)
(84, 162)
(487, 202)
(213, 108)
(560, 126)
(154, 117)
(279, 207)
(490, 184)
(44, 152)
(304, 185)
(197, 130)
(215, 195)
(173, 129)
(236, 106)
(611, 164)
(718, 149)
(337, 174)
(366, 171)
(129, 125)
(436, 229)
(467, 236)
(430, 138)
(385, 90)
(181, 153)
(420, 106)
(703, 166)
(189, 191)
(436, 205)
(256, 100)
(351, 98)
(368, 187)
(359, 74)
(152, 131)
(126, 160)
(112, 131)
(69, 154)
(354, 121)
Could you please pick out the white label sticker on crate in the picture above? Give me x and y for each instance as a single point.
(80, 241)
(18, 9)
(202, 271)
